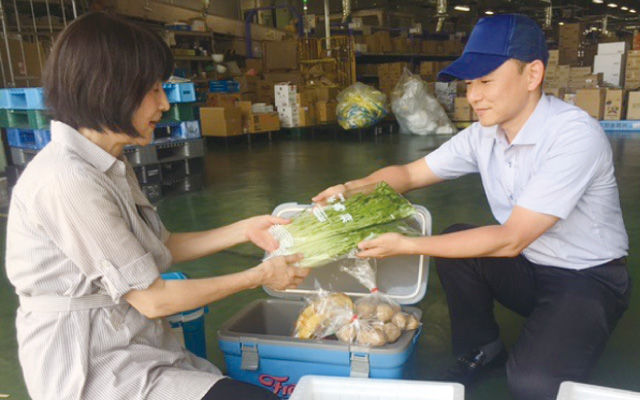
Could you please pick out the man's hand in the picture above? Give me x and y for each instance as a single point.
(282, 273)
(256, 230)
(323, 196)
(387, 245)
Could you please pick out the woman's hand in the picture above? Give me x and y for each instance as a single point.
(281, 273)
(386, 245)
(256, 230)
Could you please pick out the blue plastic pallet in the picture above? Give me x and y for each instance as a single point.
(34, 139)
(22, 99)
(625, 125)
(180, 92)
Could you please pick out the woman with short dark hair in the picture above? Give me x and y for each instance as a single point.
(85, 248)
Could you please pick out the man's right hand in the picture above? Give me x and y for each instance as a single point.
(329, 192)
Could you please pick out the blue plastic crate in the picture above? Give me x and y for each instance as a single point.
(4, 99)
(191, 323)
(227, 86)
(180, 92)
(24, 99)
(34, 139)
(177, 131)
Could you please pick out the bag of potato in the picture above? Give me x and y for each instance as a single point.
(324, 315)
(368, 332)
(378, 306)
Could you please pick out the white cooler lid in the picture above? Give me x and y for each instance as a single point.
(404, 278)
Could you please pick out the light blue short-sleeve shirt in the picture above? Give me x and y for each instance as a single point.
(560, 164)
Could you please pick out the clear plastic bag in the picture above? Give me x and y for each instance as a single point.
(360, 106)
(378, 306)
(325, 314)
(417, 111)
(331, 231)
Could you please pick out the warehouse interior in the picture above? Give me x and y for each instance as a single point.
(255, 122)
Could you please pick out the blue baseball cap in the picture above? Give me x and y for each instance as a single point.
(495, 40)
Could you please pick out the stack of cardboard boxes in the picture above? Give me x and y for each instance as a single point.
(570, 40)
(610, 61)
(632, 70)
(389, 75)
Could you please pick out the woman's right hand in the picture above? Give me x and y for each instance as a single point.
(280, 273)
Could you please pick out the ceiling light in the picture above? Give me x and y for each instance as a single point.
(489, 12)
(632, 11)
(624, 8)
(598, 1)
(612, 5)
(560, 23)
(462, 8)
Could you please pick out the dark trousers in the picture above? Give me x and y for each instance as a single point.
(229, 389)
(569, 314)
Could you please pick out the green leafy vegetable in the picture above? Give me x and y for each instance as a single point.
(326, 233)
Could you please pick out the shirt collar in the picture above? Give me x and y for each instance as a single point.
(532, 129)
(85, 148)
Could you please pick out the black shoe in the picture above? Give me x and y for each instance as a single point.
(469, 367)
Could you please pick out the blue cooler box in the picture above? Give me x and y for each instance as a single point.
(258, 342)
(189, 325)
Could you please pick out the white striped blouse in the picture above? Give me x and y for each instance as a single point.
(76, 243)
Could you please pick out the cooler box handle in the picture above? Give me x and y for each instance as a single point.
(250, 356)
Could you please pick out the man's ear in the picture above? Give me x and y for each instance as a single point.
(535, 74)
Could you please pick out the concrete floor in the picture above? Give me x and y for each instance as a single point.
(245, 180)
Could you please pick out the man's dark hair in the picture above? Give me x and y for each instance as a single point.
(100, 70)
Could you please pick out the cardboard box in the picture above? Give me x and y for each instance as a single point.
(633, 106)
(400, 45)
(592, 101)
(239, 47)
(222, 99)
(612, 48)
(579, 71)
(462, 110)
(294, 77)
(613, 104)
(307, 115)
(30, 67)
(264, 122)
(554, 57)
(557, 92)
(324, 93)
(254, 64)
(326, 111)
(281, 55)
(221, 121)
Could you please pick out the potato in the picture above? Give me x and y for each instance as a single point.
(365, 309)
(392, 332)
(347, 333)
(384, 312)
(412, 323)
(371, 337)
(400, 320)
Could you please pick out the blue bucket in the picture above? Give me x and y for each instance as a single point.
(189, 325)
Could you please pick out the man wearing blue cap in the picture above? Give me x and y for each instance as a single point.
(557, 254)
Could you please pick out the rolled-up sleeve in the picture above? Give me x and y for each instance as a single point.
(456, 157)
(84, 217)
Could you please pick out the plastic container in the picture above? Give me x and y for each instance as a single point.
(336, 388)
(259, 348)
(189, 325)
(34, 139)
(580, 391)
(180, 92)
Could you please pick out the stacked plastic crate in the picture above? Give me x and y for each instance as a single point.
(174, 161)
(23, 115)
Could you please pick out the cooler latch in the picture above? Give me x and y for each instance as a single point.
(250, 357)
(359, 365)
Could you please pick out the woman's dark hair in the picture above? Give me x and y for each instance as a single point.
(100, 70)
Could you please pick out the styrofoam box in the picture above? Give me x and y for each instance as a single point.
(580, 391)
(312, 387)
